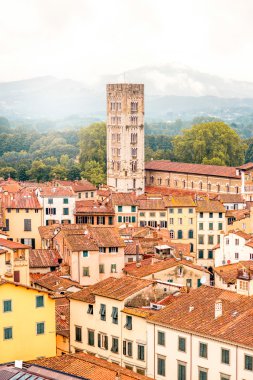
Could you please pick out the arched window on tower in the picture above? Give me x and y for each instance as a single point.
(168, 182)
(218, 187)
(184, 183)
(192, 184)
(159, 181)
(152, 180)
(227, 188)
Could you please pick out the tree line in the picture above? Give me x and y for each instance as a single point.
(29, 154)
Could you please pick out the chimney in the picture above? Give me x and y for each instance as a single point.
(117, 377)
(137, 253)
(218, 309)
(18, 364)
(191, 308)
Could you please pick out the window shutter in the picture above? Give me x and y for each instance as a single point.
(33, 243)
(124, 347)
(130, 349)
(99, 340)
(106, 342)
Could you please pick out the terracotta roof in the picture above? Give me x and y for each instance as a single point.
(247, 166)
(180, 167)
(152, 265)
(115, 288)
(43, 258)
(180, 201)
(12, 244)
(229, 272)
(123, 199)
(81, 242)
(93, 207)
(164, 190)
(106, 236)
(88, 367)
(230, 198)
(151, 204)
(22, 199)
(238, 214)
(240, 233)
(190, 314)
(48, 232)
(56, 191)
(210, 206)
(78, 185)
(62, 311)
(10, 185)
(53, 282)
(138, 311)
(130, 248)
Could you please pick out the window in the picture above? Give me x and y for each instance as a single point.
(190, 210)
(90, 309)
(103, 341)
(7, 225)
(225, 377)
(180, 234)
(7, 333)
(36, 211)
(210, 226)
(140, 352)
(8, 210)
(127, 348)
(115, 315)
(180, 211)
(248, 362)
(236, 255)
(200, 254)
(142, 213)
(102, 312)
(162, 214)
(161, 338)
(227, 241)
(152, 214)
(220, 214)
(203, 350)
(243, 285)
(171, 210)
(236, 241)
(91, 338)
(101, 268)
(86, 271)
(40, 328)
(141, 371)
(161, 366)
(180, 220)
(202, 374)
(50, 201)
(190, 221)
(172, 234)
(102, 249)
(201, 226)
(115, 345)
(171, 220)
(210, 239)
(119, 219)
(133, 208)
(113, 268)
(7, 306)
(113, 249)
(189, 282)
(120, 208)
(128, 324)
(210, 214)
(181, 344)
(224, 356)
(78, 334)
(201, 214)
(79, 195)
(220, 226)
(65, 201)
(85, 254)
(39, 301)
(190, 234)
(181, 371)
(201, 239)
(210, 254)
(65, 211)
(51, 211)
(27, 225)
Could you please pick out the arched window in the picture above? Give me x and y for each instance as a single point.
(237, 189)
(168, 182)
(227, 188)
(152, 179)
(191, 247)
(218, 187)
(176, 182)
(159, 181)
(190, 234)
(180, 234)
(184, 183)
(209, 186)
(172, 234)
(200, 185)
(192, 184)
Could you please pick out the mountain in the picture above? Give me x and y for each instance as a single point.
(171, 91)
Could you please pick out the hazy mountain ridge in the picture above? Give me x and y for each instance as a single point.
(170, 91)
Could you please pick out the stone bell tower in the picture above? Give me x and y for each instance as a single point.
(125, 137)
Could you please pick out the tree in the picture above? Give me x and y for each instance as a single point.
(8, 172)
(211, 142)
(93, 144)
(93, 172)
(74, 172)
(39, 171)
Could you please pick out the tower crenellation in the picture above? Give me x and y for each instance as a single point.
(125, 137)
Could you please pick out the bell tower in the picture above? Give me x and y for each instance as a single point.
(125, 137)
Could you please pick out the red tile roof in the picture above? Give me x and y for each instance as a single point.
(43, 258)
(180, 167)
(94, 207)
(194, 312)
(54, 192)
(229, 272)
(210, 206)
(23, 199)
(123, 199)
(88, 367)
(53, 282)
(62, 311)
(12, 244)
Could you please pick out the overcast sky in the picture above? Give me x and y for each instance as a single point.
(84, 39)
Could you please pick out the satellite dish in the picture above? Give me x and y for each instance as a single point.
(203, 280)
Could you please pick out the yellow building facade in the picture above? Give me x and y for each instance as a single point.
(27, 323)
